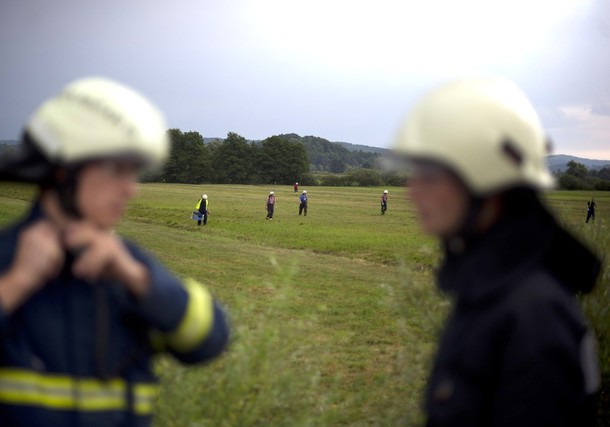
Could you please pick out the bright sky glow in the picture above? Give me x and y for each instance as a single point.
(342, 70)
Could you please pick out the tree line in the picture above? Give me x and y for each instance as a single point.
(234, 160)
(279, 159)
(578, 177)
(309, 160)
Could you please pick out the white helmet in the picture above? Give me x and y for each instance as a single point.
(304, 191)
(271, 193)
(204, 197)
(97, 117)
(484, 130)
(92, 118)
(385, 191)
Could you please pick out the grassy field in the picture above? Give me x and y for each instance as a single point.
(335, 314)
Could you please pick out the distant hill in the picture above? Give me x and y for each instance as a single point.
(8, 142)
(559, 162)
(327, 156)
(364, 148)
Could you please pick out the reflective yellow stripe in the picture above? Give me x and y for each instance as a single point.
(144, 398)
(23, 387)
(197, 320)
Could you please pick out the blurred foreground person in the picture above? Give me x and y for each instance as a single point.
(516, 350)
(81, 310)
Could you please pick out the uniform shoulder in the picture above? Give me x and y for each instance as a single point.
(541, 300)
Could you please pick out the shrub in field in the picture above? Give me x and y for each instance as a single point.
(570, 182)
(602, 185)
(394, 179)
(363, 178)
(332, 180)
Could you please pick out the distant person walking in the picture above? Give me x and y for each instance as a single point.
(296, 187)
(384, 202)
(303, 205)
(202, 208)
(270, 205)
(591, 210)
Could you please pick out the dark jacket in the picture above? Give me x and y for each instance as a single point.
(516, 350)
(202, 206)
(79, 354)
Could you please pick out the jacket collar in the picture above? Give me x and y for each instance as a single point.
(488, 265)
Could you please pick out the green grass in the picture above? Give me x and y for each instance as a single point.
(335, 314)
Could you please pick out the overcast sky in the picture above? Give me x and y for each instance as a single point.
(345, 70)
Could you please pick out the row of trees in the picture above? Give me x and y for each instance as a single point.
(284, 159)
(578, 177)
(280, 159)
(234, 160)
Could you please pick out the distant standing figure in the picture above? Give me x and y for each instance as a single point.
(591, 210)
(270, 205)
(202, 207)
(296, 187)
(384, 202)
(303, 205)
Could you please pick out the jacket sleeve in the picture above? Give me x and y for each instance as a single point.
(183, 317)
(541, 382)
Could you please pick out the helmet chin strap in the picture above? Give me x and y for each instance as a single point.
(470, 227)
(66, 186)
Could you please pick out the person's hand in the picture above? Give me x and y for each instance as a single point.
(100, 254)
(39, 257)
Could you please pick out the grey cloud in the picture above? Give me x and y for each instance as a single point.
(600, 109)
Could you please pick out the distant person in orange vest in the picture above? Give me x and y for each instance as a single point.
(384, 202)
(591, 210)
(296, 187)
(270, 205)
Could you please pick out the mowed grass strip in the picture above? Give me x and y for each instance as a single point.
(335, 314)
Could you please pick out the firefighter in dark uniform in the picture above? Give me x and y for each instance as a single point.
(303, 203)
(82, 311)
(515, 350)
(591, 205)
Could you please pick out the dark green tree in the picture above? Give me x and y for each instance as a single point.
(577, 169)
(604, 173)
(233, 161)
(189, 161)
(281, 161)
